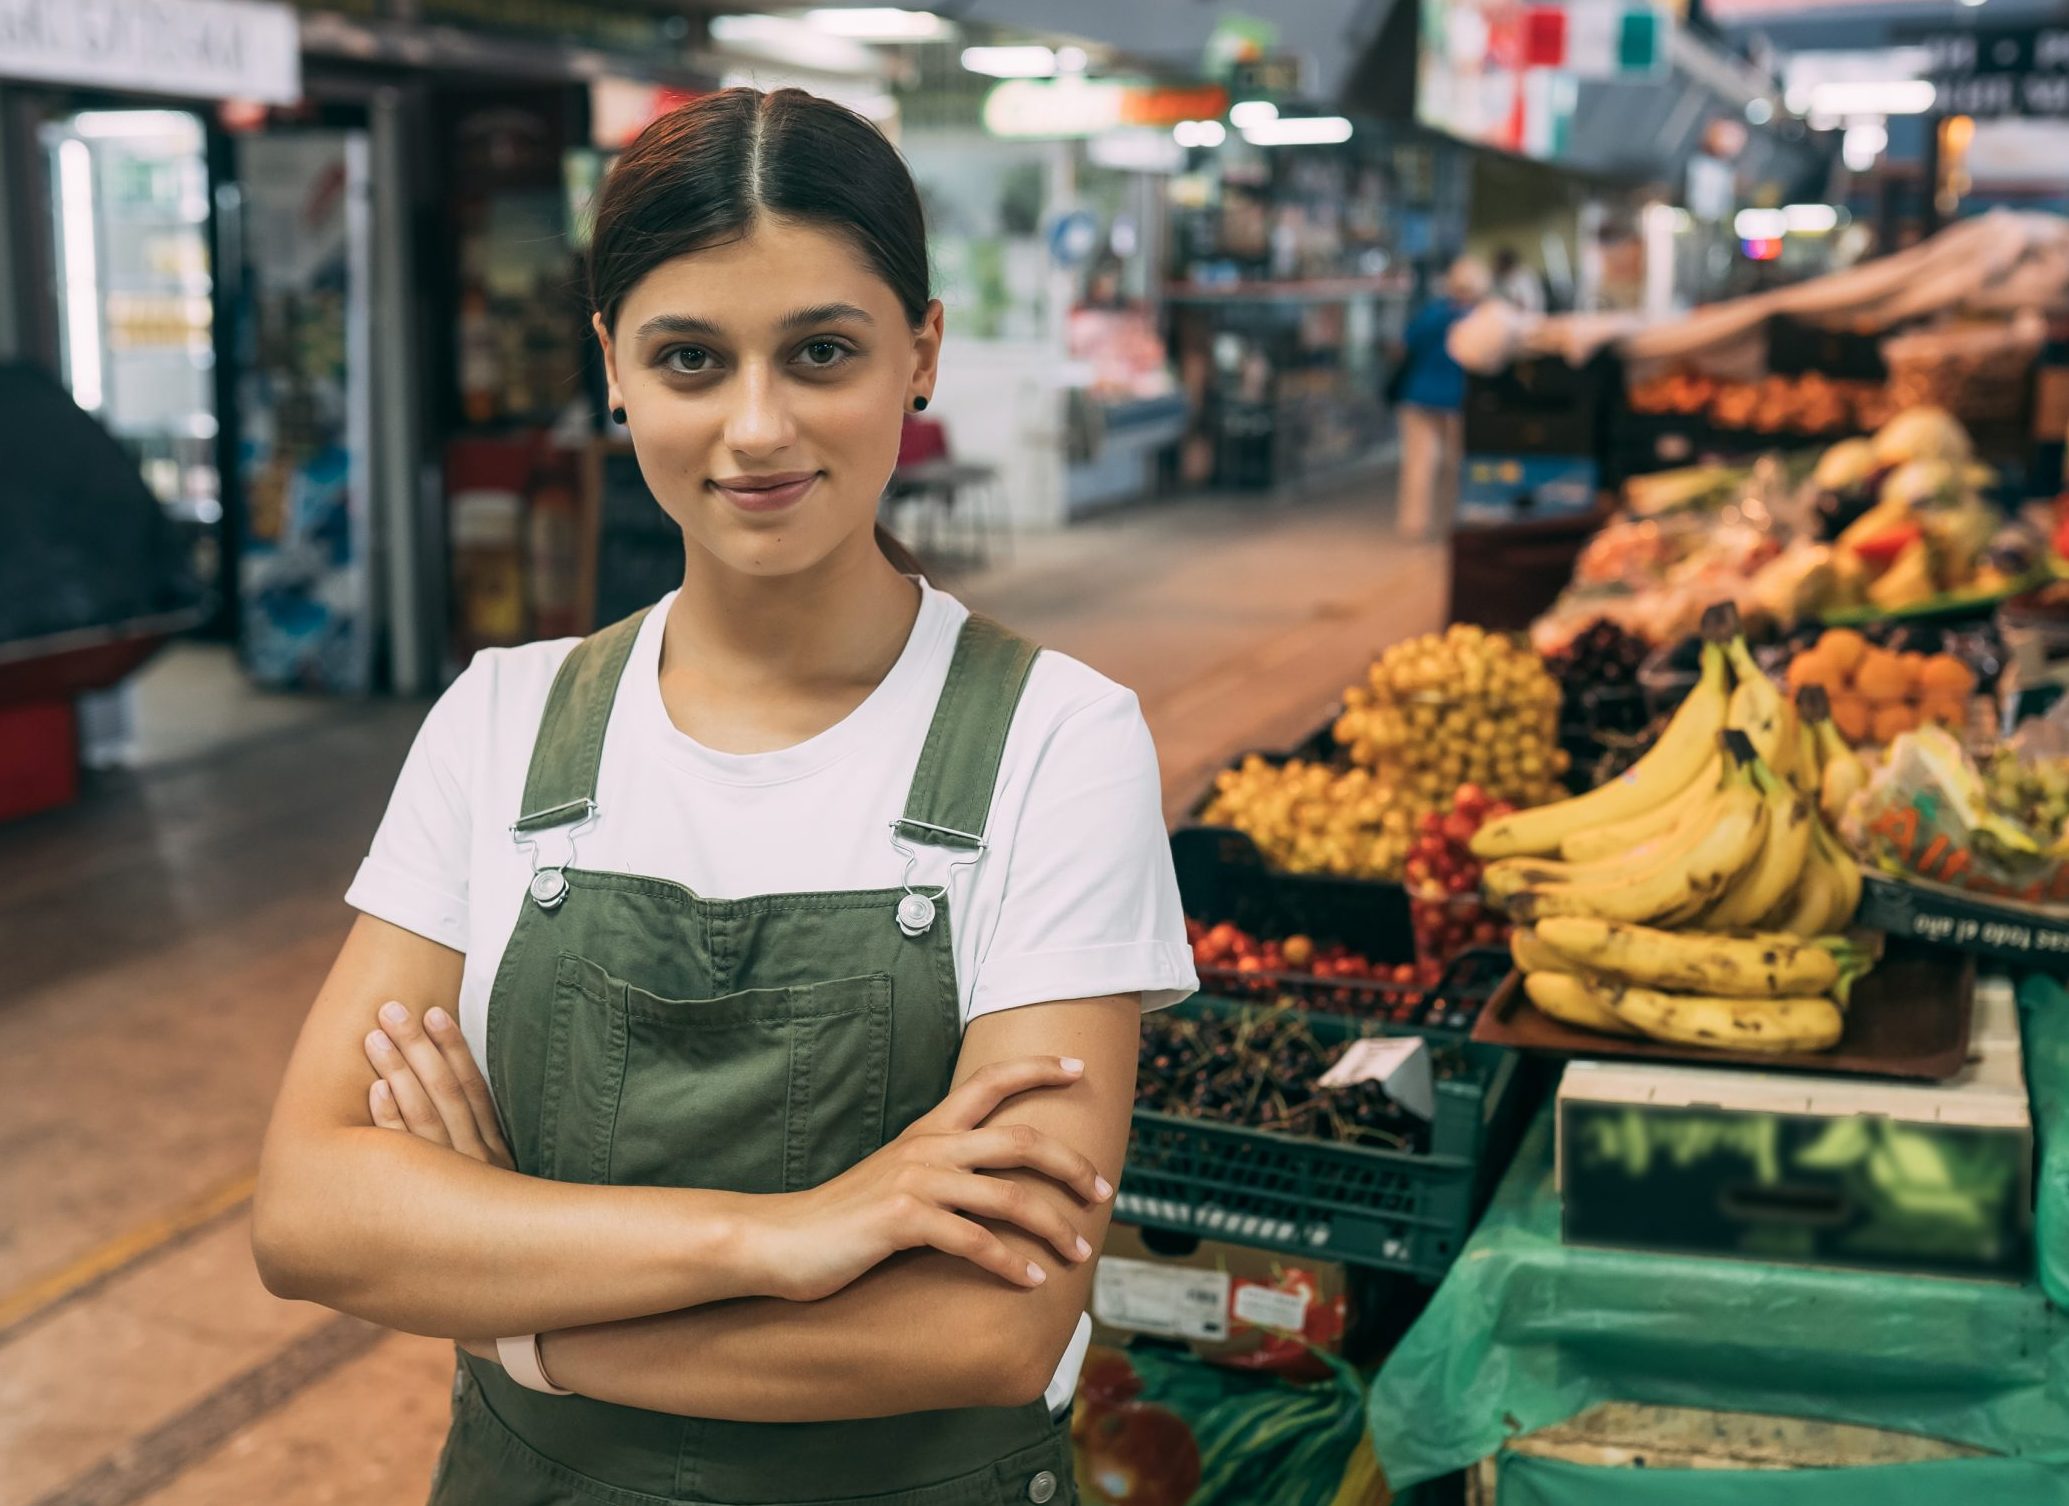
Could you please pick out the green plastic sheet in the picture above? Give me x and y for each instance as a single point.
(1528, 1481)
(1526, 1332)
(2044, 1023)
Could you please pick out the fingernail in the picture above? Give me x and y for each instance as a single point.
(1084, 1250)
(1036, 1274)
(379, 1041)
(394, 1013)
(1103, 1187)
(1072, 1064)
(381, 1089)
(436, 1018)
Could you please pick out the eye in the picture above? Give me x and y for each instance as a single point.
(686, 360)
(824, 354)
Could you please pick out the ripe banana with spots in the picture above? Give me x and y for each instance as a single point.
(1727, 838)
(1760, 710)
(1778, 1025)
(1842, 775)
(1573, 1000)
(1703, 962)
(1681, 753)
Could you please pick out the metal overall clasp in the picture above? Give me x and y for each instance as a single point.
(549, 884)
(916, 910)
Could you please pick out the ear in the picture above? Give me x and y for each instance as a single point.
(926, 350)
(616, 397)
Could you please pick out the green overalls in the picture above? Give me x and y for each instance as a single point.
(641, 1035)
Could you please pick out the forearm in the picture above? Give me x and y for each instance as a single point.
(419, 1238)
(921, 1332)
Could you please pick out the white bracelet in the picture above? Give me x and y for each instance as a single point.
(520, 1357)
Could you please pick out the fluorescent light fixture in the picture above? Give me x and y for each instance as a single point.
(1759, 111)
(1011, 62)
(1862, 144)
(1299, 130)
(1811, 219)
(880, 23)
(1252, 112)
(793, 45)
(1072, 60)
(1761, 224)
(1199, 133)
(82, 273)
(177, 126)
(1896, 96)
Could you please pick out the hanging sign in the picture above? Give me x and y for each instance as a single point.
(2000, 71)
(208, 49)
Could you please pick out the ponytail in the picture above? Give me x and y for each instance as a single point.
(902, 558)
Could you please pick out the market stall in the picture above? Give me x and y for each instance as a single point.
(1663, 1004)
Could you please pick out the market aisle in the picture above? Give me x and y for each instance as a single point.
(174, 929)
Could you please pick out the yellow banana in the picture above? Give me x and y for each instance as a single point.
(1808, 767)
(1844, 775)
(1846, 880)
(1666, 769)
(1575, 1001)
(1504, 878)
(1806, 1023)
(1729, 840)
(1533, 956)
(1762, 712)
(1618, 838)
(1790, 820)
(1808, 908)
(1753, 964)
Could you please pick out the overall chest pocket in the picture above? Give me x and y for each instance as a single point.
(766, 1090)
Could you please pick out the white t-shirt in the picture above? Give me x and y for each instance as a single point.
(1075, 898)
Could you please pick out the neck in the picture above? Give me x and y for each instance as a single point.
(845, 620)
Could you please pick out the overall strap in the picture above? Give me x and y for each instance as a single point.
(560, 789)
(951, 789)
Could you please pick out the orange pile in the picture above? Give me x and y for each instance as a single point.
(1877, 695)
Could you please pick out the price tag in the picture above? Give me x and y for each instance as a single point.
(1176, 1302)
(1267, 1307)
(1400, 1065)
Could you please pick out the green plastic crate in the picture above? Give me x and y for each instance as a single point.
(1362, 1205)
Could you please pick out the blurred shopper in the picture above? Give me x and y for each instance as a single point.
(1431, 389)
(1517, 283)
(763, 972)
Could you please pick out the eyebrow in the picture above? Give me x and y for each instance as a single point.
(818, 313)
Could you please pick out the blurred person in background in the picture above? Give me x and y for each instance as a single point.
(1517, 283)
(1430, 391)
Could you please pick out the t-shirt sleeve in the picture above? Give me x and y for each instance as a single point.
(1090, 902)
(415, 874)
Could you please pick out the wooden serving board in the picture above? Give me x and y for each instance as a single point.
(1909, 1018)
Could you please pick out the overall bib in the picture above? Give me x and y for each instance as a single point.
(641, 1035)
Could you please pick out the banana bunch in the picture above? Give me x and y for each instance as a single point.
(1754, 991)
(1723, 826)
(1699, 898)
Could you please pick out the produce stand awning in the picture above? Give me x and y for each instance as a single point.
(1527, 1332)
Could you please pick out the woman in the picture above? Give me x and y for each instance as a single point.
(800, 927)
(1431, 393)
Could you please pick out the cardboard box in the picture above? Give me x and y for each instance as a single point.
(1934, 1178)
(1228, 1303)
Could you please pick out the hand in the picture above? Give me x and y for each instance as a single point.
(916, 1191)
(428, 1085)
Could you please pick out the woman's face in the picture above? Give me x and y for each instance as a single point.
(764, 384)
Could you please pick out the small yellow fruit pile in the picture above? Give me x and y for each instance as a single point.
(1310, 818)
(1464, 706)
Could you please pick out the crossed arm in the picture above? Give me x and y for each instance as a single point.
(661, 1297)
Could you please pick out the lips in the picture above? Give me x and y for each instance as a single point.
(771, 493)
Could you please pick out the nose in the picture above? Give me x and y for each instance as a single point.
(759, 422)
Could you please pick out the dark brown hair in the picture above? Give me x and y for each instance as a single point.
(702, 175)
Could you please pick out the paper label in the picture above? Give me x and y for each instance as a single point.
(1400, 1064)
(1173, 1302)
(1268, 1307)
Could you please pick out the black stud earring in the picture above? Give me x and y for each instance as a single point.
(617, 415)
(919, 404)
